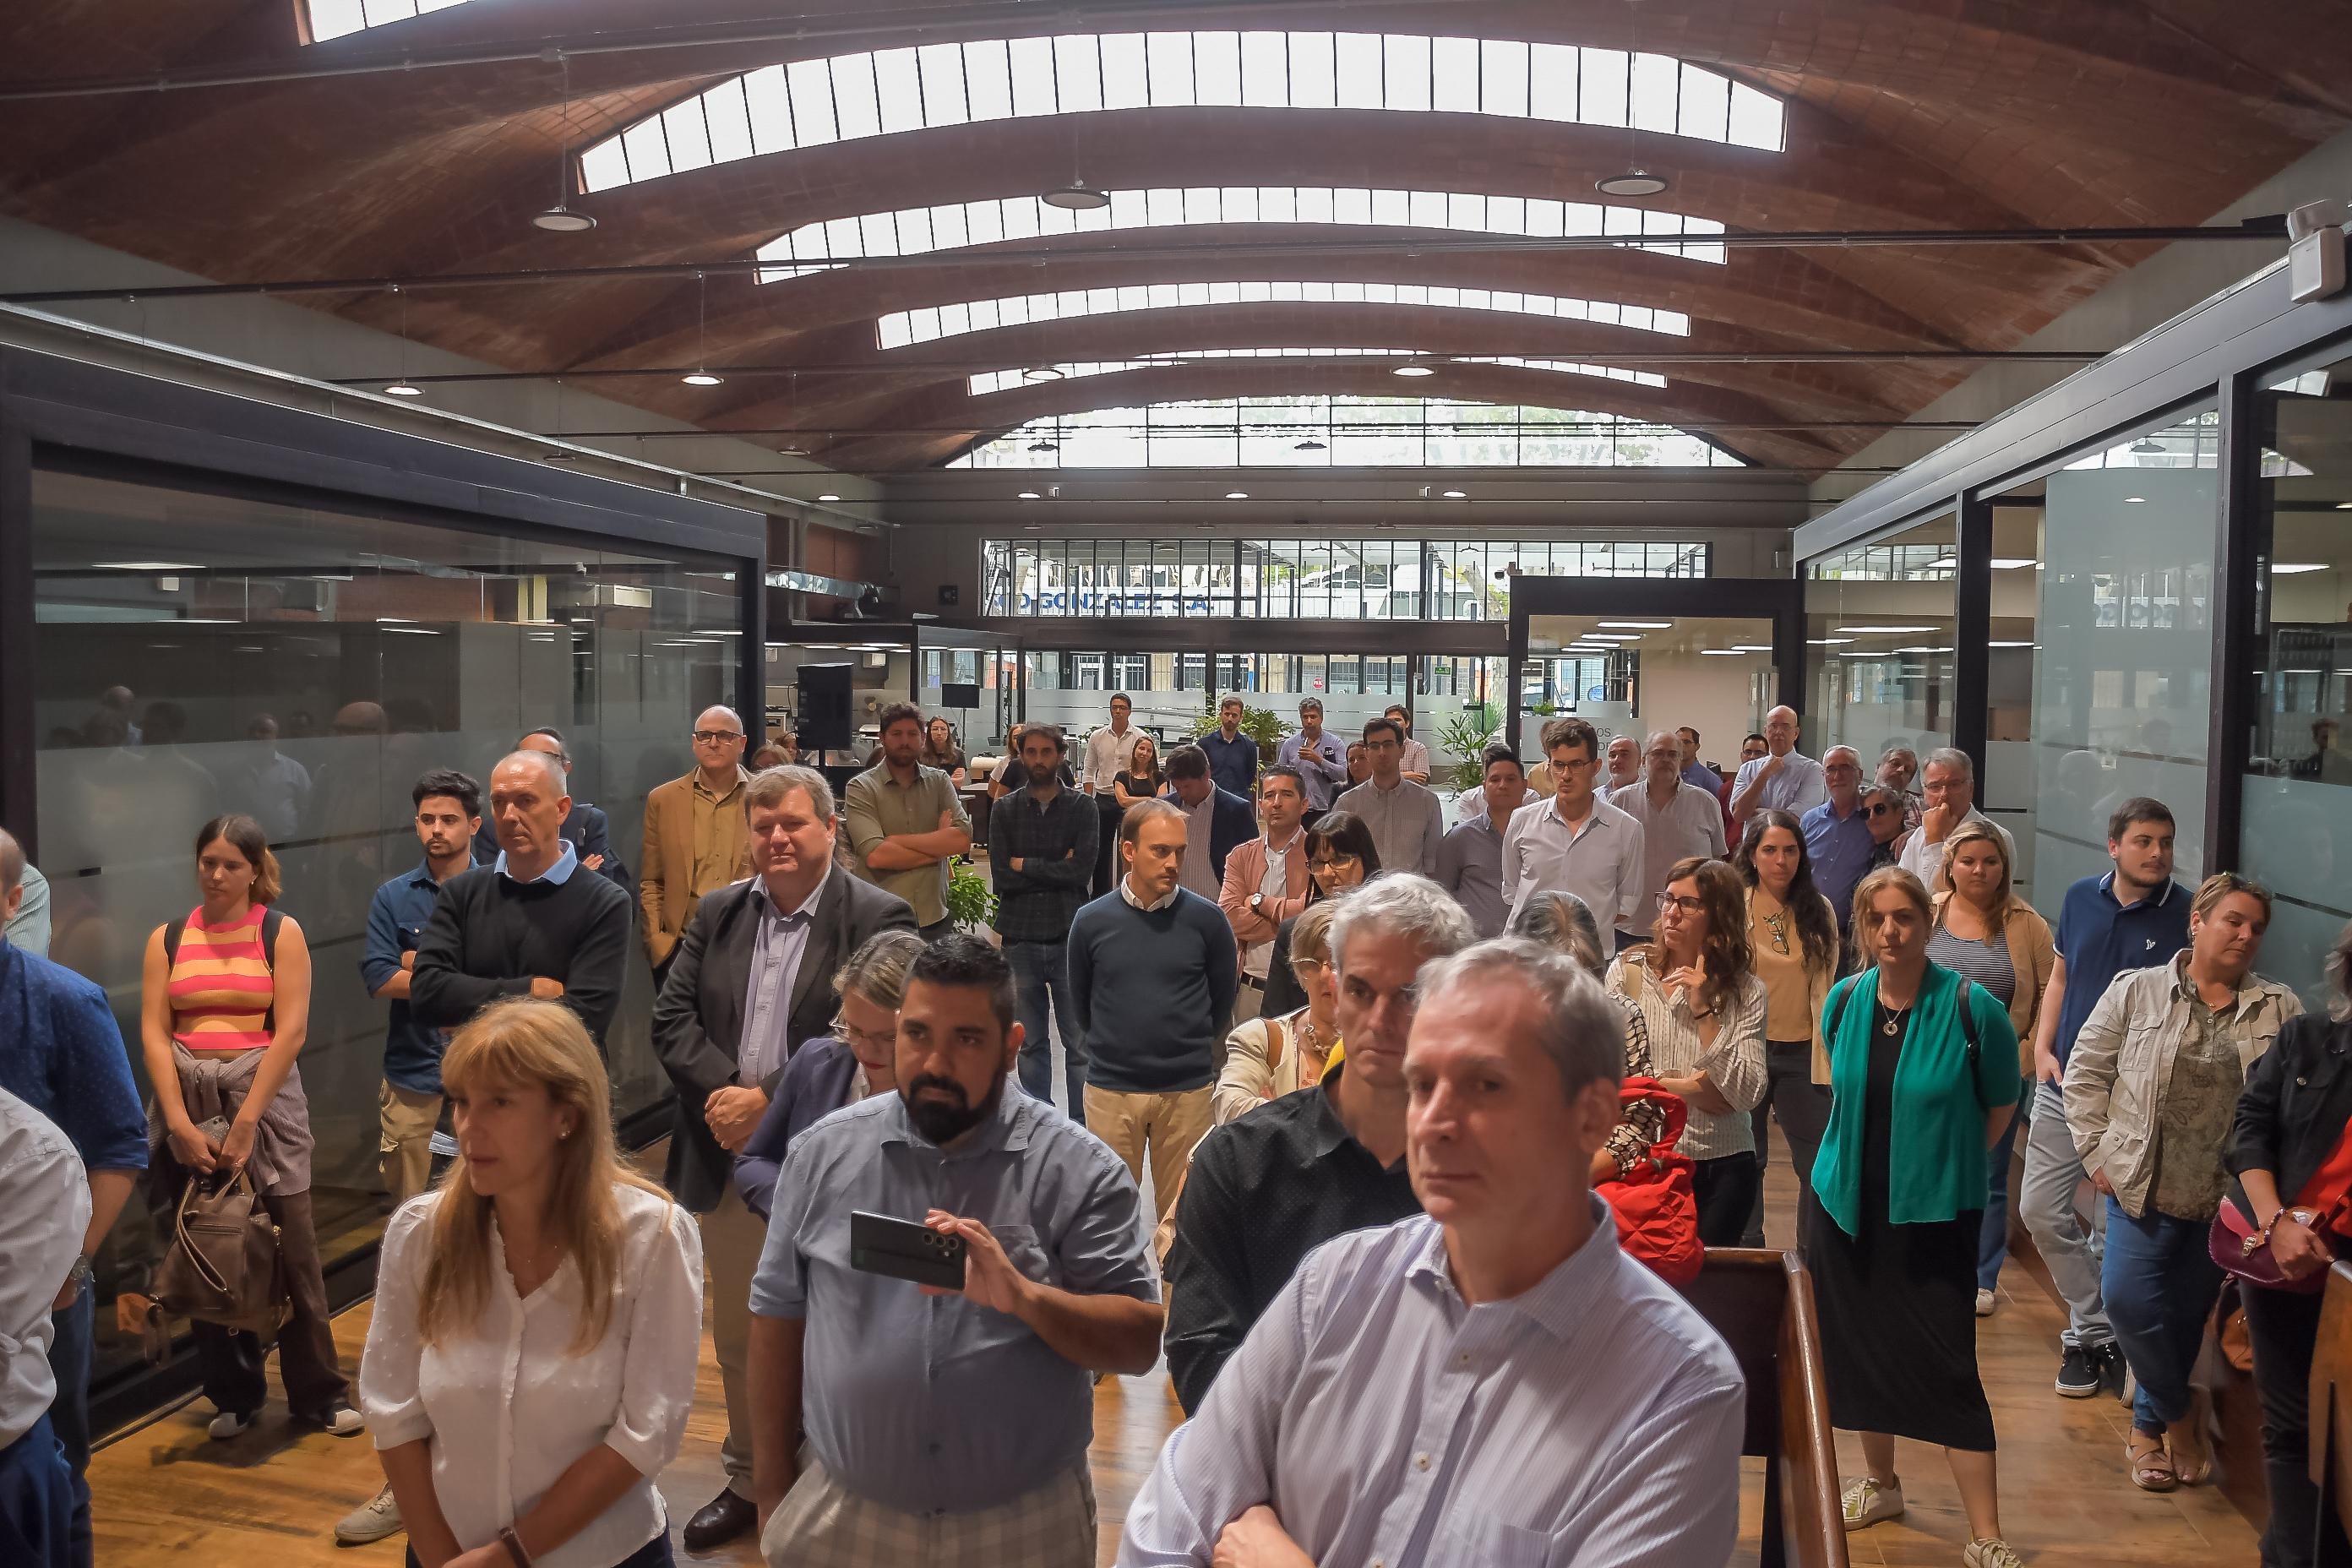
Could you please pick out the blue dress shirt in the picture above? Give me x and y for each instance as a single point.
(397, 920)
(934, 1404)
(1233, 764)
(1840, 847)
(567, 862)
(62, 1054)
(1323, 765)
(1595, 1418)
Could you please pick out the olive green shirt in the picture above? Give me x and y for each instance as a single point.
(876, 806)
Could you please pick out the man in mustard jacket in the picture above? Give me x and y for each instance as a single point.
(695, 842)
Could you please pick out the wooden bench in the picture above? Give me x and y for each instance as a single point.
(1761, 1302)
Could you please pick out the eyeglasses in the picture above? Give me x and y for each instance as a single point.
(851, 1035)
(712, 737)
(1880, 809)
(1335, 862)
(1688, 906)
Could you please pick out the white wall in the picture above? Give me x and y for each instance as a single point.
(1711, 695)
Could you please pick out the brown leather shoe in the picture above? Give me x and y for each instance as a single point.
(720, 1521)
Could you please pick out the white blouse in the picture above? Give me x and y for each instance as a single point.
(509, 1407)
(1734, 1062)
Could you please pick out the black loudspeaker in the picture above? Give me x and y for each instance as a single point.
(954, 696)
(824, 723)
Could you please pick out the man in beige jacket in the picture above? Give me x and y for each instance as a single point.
(696, 840)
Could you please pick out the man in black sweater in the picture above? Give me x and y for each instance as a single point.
(526, 925)
(1152, 976)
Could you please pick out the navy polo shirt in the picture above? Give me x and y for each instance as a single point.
(2100, 939)
(396, 922)
(1232, 763)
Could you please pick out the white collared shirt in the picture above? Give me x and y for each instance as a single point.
(44, 1210)
(505, 1405)
(1598, 861)
(1127, 891)
(1107, 754)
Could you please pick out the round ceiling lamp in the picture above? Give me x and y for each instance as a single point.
(1077, 196)
(1042, 372)
(561, 219)
(701, 377)
(1633, 181)
(828, 496)
(404, 389)
(1414, 370)
(1237, 495)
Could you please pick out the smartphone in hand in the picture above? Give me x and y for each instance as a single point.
(905, 1249)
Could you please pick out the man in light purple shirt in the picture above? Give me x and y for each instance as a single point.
(1321, 758)
(1494, 1381)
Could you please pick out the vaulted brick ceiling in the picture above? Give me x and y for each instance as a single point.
(1900, 114)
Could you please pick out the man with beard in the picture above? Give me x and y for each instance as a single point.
(945, 1426)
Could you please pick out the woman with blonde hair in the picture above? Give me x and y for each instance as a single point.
(530, 1363)
(1985, 931)
(1923, 1081)
(1267, 1058)
(225, 1008)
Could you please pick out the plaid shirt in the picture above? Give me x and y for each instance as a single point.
(1036, 902)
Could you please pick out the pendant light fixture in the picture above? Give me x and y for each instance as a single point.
(700, 375)
(401, 385)
(1636, 181)
(560, 219)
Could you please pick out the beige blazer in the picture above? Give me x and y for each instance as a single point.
(666, 869)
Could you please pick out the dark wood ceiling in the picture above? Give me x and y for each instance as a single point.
(1901, 114)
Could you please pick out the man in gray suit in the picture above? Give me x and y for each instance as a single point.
(751, 979)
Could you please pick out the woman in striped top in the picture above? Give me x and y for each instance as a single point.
(225, 1007)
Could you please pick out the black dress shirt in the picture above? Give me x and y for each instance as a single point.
(1265, 1190)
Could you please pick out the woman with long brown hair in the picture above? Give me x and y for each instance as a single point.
(225, 1009)
(1699, 995)
(1143, 778)
(1793, 934)
(531, 1363)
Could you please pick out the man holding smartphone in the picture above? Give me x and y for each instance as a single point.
(941, 1425)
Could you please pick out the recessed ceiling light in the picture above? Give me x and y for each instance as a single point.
(2012, 562)
(1042, 372)
(1415, 370)
(1077, 196)
(1635, 625)
(562, 219)
(2296, 568)
(2343, 505)
(1883, 628)
(1237, 495)
(2134, 501)
(1721, 652)
(1826, 642)
(142, 566)
(1633, 181)
(701, 377)
(1751, 647)
(2012, 644)
(1457, 495)
(404, 389)
(1610, 636)
(1312, 444)
(1026, 495)
(829, 495)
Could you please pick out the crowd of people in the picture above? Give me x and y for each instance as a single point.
(1369, 1068)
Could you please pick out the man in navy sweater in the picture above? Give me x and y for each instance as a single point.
(1152, 974)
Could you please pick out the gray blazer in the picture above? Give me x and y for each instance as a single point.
(698, 1016)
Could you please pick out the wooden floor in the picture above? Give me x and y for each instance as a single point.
(165, 1494)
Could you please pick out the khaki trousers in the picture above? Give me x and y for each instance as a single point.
(731, 1238)
(404, 1119)
(1168, 1125)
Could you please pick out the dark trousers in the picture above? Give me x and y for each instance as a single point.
(2283, 1328)
(36, 1500)
(1041, 994)
(1107, 845)
(1727, 1188)
(69, 1411)
(1803, 1108)
(231, 1359)
(654, 1553)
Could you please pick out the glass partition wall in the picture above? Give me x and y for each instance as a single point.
(198, 651)
(1881, 635)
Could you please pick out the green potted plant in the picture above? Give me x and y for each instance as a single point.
(1263, 725)
(971, 902)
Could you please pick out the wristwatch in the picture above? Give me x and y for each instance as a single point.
(82, 1277)
(1256, 900)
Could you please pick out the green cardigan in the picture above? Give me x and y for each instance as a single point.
(1937, 1147)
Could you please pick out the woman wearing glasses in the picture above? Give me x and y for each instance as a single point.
(1923, 1081)
(1268, 1056)
(860, 1058)
(1794, 934)
(1986, 932)
(1339, 856)
(1705, 1008)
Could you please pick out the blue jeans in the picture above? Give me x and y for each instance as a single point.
(69, 1411)
(1992, 1241)
(36, 1500)
(2158, 1284)
(1041, 974)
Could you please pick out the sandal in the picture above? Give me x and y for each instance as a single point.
(2191, 1442)
(2151, 1466)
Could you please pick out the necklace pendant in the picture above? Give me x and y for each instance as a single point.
(1888, 1028)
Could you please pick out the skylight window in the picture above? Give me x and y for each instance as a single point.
(1343, 432)
(334, 18)
(1007, 380)
(808, 103)
(918, 231)
(901, 328)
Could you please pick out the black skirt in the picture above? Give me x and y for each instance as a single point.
(1897, 1302)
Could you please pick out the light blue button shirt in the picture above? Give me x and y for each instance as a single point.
(558, 873)
(1797, 788)
(932, 1403)
(1593, 1419)
(776, 953)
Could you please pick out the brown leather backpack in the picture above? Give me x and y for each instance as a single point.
(224, 1264)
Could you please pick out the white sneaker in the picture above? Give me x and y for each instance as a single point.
(343, 1421)
(230, 1424)
(372, 1521)
(1991, 1552)
(1867, 1503)
(1985, 1301)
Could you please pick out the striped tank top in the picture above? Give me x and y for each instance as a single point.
(221, 988)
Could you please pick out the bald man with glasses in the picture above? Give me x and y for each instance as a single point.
(696, 838)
